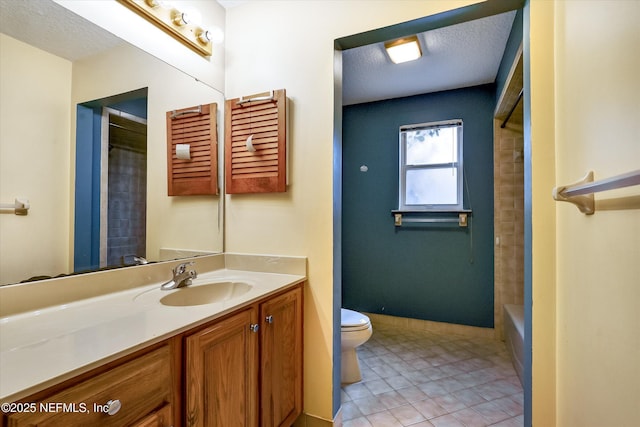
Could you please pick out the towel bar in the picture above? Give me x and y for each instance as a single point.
(461, 219)
(581, 193)
(20, 206)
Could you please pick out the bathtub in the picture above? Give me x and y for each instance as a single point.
(514, 335)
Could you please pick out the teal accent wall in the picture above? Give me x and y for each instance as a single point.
(136, 107)
(86, 254)
(433, 272)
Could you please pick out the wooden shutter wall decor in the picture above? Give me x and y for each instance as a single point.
(195, 126)
(256, 143)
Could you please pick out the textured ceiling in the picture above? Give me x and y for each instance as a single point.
(457, 56)
(53, 28)
(453, 57)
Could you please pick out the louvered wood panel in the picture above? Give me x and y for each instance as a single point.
(264, 121)
(199, 174)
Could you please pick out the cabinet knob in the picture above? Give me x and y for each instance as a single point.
(113, 406)
(269, 319)
(254, 327)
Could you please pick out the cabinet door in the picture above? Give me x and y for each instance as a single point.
(221, 373)
(281, 359)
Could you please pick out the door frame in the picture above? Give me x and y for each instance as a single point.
(451, 17)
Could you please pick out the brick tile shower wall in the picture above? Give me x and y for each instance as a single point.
(509, 219)
(127, 205)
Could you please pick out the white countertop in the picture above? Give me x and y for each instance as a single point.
(42, 347)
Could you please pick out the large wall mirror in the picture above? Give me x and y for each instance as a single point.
(63, 81)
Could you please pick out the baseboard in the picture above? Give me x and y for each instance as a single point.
(309, 420)
(428, 325)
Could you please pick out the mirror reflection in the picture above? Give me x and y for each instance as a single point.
(83, 138)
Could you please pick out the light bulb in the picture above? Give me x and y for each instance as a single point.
(216, 35)
(204, 36)
(195, 17)
(180, 18)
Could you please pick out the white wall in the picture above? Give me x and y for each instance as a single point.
(35, 87)
(597, 60)
(289, 44)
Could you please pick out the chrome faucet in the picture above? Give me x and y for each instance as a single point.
(140, 260)
(133, 260)
(181, 277)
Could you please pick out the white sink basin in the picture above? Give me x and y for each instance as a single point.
(199, 293)
(205, 294)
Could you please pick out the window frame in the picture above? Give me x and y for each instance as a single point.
(402, 205)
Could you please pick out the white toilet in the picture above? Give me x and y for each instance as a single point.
(355, 330)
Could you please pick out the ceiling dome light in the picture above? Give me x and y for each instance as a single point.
(403, 50)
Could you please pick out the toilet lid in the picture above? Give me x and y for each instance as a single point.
(352, 319)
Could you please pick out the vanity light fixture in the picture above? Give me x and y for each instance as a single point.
(175, 22)
(404, 49)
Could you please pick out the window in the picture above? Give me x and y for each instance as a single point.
(431, 166)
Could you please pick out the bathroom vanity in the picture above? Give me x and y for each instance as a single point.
(228, 351)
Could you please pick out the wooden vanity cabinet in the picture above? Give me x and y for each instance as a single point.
(242, 370)
(246, 370)
(143, 388)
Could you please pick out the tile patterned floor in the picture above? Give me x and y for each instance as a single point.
(426, 379)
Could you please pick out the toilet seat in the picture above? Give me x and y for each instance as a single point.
(351, 321)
